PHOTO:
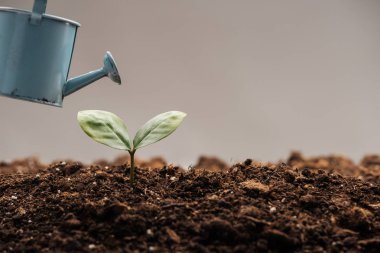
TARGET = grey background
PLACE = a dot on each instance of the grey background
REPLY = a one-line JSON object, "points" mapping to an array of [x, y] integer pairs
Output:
{"points": [[257, 78]]}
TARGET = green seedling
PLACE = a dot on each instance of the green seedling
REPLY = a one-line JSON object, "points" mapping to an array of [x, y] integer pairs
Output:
{"points": [[108, 129]]}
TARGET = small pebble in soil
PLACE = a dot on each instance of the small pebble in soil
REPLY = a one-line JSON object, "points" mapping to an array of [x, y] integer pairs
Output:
{"points": [[21, 211], [13, 197], [91, 246], [272, 209], [149, 232], [212, 197]]}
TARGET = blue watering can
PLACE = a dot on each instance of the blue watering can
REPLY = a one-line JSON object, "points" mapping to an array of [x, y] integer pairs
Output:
{"points": [[35, 55]]}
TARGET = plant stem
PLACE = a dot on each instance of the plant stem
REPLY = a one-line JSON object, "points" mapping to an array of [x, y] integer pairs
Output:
{"points": [[132, 169]]}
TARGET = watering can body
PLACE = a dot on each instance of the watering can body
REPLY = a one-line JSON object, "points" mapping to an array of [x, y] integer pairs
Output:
{"points": [[35, 55]]}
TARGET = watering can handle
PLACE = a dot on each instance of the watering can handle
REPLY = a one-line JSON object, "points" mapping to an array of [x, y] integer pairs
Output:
{"points": [[39, 8]]}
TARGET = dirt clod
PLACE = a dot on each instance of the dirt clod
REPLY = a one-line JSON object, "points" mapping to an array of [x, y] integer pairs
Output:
{"points": [[253, 185], [279, 239], [218, 230]]}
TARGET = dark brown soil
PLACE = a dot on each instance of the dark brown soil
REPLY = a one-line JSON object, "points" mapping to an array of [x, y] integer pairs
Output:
{"points": [[322, 204]]}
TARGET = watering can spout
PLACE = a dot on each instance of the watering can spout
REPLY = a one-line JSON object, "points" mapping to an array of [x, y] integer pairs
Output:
{"points": [[109, 69]]}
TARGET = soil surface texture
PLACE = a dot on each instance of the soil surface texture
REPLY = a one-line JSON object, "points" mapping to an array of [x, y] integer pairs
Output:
{"points": [[320, 204]]}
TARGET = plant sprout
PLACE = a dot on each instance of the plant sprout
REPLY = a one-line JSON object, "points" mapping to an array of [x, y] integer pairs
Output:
{"points": [[108, 129]]}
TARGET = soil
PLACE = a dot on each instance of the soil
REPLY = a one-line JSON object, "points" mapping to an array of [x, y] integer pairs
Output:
{"points": [[321, 204]]}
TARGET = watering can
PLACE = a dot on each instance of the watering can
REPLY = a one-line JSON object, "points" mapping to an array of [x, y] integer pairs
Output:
{"points": [[35, 56]]}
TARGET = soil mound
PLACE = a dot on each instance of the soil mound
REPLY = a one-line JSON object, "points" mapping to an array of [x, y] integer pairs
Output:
{"points": [[321, 204]]}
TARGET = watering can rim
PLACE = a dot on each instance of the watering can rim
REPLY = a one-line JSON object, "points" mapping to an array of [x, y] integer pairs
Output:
{"points": [[48, 16], [30, 99]]}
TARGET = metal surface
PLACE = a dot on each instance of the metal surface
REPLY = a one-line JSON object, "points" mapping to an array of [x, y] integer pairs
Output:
{"points": [[109, 69], [39, 9], [45, 16], [35, 56]]}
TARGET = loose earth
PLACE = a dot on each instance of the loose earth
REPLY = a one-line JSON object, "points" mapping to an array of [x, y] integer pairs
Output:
{"points": [[321, 204]]}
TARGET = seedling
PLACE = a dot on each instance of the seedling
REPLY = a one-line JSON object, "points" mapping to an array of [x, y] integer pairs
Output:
{"points": [[108, 129]]}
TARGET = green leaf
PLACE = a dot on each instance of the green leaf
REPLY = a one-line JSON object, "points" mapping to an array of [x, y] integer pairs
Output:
{"points": [[105, 127], [158, 128]]}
